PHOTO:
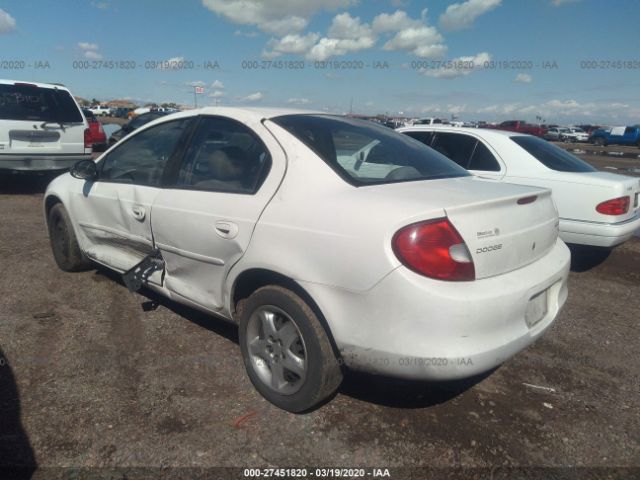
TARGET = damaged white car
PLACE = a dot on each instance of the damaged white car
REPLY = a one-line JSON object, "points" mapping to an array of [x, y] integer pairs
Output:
{"points": [[330, 241]]}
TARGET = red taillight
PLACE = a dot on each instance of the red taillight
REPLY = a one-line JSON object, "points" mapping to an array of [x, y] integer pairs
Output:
{"points": [[88, 142], [616, 206], [435, 249]]}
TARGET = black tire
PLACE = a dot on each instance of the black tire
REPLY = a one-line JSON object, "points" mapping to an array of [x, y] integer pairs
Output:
{"points": [[323, 373], [601, 141], [64, 244]]}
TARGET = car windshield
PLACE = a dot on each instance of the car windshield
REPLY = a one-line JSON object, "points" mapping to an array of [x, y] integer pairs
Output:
{"points": [[363, 153], [551, 156], [31, 103]]}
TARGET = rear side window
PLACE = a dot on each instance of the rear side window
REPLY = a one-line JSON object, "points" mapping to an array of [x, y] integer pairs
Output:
{"points": [[551, 156], [458, 148], [224, 156], [483, 159], [30, 103], [424, 137], [363, 153]]}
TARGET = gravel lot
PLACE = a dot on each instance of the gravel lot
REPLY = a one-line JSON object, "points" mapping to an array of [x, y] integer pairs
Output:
{"points": [[90, 379]]}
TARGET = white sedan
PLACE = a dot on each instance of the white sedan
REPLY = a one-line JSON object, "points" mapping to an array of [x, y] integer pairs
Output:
{"points": [[330, 241], [596, 208]]}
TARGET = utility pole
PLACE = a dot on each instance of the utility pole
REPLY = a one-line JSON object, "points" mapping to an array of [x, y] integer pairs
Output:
{"points": [[195, 97]]}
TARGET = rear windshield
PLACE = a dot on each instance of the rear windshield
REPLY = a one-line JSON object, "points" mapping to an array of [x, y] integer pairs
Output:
{"points": [[551, 156], [30, 103], [363, 153]]}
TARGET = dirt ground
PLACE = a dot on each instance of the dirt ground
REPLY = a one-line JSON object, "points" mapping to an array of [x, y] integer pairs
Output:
{"points": [[89, 379]]}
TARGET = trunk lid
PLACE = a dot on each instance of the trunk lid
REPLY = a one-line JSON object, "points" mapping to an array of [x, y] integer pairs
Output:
{"points": [[506, 232], [501, 234]]}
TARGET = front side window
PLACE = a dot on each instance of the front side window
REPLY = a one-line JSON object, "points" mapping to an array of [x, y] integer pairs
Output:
{"points": [[31, 103], [142, 158], [551, 156], [224, 156], [363, 153]]}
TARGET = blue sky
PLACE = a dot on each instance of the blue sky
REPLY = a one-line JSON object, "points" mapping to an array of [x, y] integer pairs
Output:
{"points": [[543, 45]]}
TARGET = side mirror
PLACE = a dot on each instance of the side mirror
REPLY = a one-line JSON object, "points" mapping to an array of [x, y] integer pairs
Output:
{"points": [[85, 170]]}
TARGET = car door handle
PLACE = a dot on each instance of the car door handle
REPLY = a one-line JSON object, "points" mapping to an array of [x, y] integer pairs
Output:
{"points": [[226, 229], [138, 212]]}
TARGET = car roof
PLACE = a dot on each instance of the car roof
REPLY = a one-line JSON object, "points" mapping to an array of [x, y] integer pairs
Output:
{"points": [[37, 84], [484, 132], [262, 112]]}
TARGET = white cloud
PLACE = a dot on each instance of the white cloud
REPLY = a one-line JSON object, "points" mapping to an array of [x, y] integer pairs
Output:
{"points": [[412, 35], [90, 50], [100, 5], [459, 67], [344, 26], [196, 83], [292, 44], [217, 84], [422, 41], [92, 55], [7, 22], [253, 97], [88, 46], [240, 33], [347, 34], [523, 78], [462, 15], [558, 3], [217, 94], [277, 17], [298, 101], [394, 22]]}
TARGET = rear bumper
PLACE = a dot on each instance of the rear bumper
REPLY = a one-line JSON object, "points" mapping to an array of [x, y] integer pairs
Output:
{"points": [[39, 163], [598, 234], [414, 327]]}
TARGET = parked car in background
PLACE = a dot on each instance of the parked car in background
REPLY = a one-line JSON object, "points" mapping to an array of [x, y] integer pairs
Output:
{"points": [[121, 112], [139, 111], [131, 125], [596, 208], [214, 208], [100, 110], [574, 134], [41, 127], [590, 128], [617, 136], [97, 135], [521, 126], [431, 121], [555, 133]]}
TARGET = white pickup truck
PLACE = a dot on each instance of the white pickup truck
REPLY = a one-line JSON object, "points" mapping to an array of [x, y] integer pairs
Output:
{"points": [[100, 110]]}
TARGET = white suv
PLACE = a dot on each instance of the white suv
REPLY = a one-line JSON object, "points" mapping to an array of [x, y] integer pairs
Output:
{"points": [[41, 127], [100, 111]]}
